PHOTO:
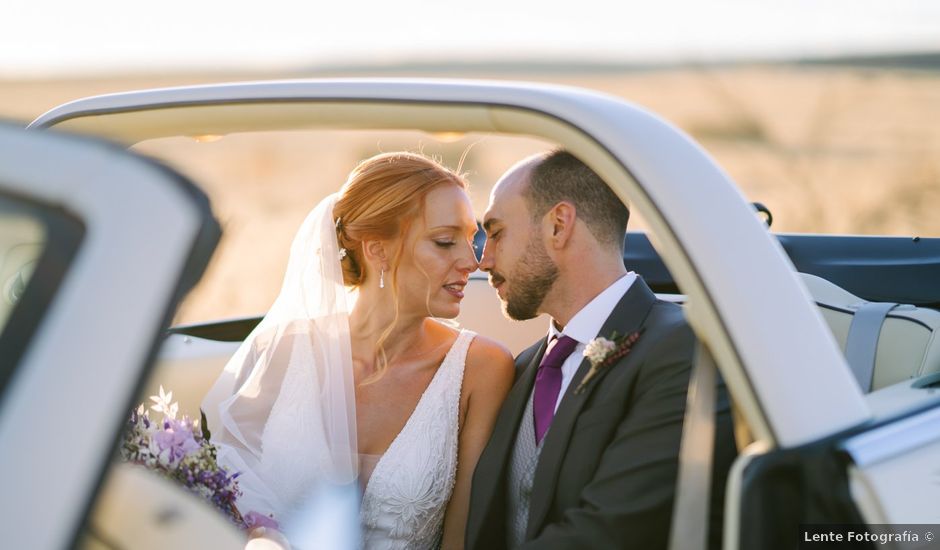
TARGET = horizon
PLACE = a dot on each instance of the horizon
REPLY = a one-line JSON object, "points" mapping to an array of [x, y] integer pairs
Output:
{"points": [[917, 60]]}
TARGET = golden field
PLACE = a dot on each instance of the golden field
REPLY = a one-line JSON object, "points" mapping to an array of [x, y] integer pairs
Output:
{"points": [[834, 150]]}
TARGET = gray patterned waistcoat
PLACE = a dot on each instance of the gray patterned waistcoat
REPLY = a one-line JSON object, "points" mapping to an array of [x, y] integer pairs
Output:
{"points": [[525, 457]]}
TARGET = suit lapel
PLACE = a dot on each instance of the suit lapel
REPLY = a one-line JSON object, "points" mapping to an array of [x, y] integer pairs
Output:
{"points": [[628, 316], [491, 468]]}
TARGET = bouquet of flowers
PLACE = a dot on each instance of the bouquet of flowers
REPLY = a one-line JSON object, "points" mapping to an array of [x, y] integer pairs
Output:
{"points": [[178, 449]]}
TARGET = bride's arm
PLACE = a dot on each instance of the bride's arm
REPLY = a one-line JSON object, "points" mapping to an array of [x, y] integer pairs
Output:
{"points": [[488, 376]]}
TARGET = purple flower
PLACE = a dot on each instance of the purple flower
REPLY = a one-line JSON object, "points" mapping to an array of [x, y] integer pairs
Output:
{"points": [[254, 519], [174, 442]]}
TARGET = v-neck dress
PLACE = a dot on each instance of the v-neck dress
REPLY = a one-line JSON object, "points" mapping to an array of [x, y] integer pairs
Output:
{"points": [[405, 498]]}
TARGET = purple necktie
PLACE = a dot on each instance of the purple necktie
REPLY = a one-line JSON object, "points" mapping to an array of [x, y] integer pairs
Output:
{"points": [[548, 384]]}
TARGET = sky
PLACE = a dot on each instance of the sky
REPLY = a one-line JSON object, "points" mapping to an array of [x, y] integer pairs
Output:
{"points": [[69, 37]]}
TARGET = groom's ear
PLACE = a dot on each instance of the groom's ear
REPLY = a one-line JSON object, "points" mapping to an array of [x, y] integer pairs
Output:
{"points": [[561, 218]]}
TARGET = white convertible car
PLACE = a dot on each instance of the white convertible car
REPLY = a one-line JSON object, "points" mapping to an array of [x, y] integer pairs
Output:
{"points": [[832, 371]]}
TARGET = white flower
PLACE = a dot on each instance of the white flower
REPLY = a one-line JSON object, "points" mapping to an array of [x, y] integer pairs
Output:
{"points": [[598, 349], [164, 403]]}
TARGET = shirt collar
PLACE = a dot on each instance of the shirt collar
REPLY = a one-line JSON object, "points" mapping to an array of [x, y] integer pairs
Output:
{"points": [[587, 322]]}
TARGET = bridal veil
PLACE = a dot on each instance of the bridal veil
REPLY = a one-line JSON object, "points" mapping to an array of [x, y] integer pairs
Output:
{"points": [[283, 411]]}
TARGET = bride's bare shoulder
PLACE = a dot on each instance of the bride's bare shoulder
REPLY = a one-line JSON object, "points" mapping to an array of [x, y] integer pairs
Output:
{"points": [[489, 364]]}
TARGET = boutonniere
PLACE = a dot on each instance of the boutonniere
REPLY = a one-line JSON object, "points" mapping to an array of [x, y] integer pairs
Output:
{"points": [[603, 352]]}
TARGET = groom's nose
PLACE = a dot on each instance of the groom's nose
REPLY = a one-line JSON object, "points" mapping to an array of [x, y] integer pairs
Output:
{"points": [[486, 259]]}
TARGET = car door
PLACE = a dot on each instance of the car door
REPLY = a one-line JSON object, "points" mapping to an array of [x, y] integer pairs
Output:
{"points": [[97, 245]]}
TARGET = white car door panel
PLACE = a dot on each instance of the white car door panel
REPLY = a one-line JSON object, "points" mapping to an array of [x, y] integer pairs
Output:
{"points": [[122, 237]]}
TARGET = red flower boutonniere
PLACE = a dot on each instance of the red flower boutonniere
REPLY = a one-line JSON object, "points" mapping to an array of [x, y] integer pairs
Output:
{"points": [[603, 353]]}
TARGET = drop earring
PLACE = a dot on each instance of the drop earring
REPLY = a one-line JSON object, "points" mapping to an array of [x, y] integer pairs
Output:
{"points": [[382, 278]]}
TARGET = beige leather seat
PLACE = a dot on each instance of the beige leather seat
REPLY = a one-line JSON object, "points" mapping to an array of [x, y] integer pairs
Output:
{"points": [[187, 366], [907, 344]]}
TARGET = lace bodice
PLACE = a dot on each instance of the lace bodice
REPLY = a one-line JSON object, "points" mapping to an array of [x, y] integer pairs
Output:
{"points": [[404, 501]]}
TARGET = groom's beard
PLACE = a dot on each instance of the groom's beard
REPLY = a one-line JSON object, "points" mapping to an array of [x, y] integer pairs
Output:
{"points": [[532, 278]]}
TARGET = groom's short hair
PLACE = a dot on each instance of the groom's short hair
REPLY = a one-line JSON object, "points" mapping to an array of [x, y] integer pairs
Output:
{"points": [[560, 176]]}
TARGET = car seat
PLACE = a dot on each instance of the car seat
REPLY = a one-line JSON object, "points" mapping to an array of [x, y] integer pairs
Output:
{"points": [[884, 343]]}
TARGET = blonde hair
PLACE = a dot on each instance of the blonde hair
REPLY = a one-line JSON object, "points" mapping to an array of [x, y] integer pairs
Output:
{"points": [[380, 200]]}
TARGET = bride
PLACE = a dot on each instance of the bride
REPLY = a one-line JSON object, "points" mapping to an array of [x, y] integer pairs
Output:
{"points": [[351, 376]]}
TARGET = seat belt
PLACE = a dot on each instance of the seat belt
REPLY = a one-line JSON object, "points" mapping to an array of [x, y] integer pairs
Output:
{"points": [[861, 345], [691, 506]]}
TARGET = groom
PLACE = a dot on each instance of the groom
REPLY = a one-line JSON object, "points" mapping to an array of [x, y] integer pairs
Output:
{"points": [[578, 460]]}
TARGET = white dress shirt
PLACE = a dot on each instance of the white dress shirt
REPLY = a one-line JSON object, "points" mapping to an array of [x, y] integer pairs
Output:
{"points": [[585, 325]]}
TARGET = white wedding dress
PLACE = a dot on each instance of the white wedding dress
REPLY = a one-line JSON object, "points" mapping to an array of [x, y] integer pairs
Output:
{"points": [[283, 411], [405, 498]]}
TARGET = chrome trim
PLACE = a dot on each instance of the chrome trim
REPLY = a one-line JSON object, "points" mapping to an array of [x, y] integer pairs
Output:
{"points": [[894, 439]]}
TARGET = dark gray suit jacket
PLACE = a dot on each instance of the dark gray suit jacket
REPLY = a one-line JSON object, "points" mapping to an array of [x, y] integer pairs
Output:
{"points": [[607, 471]]}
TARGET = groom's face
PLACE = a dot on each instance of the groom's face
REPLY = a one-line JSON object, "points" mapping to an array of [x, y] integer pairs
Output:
{"points": [[515, 256]]}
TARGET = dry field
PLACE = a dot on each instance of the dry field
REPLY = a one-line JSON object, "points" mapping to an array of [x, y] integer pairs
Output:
{"points": [[830, 150]]}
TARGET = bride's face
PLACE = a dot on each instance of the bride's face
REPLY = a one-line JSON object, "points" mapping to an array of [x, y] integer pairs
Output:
{"points": [[437, 256]]}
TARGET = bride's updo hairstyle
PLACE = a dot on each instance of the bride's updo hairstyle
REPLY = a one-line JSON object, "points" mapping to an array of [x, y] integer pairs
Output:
{"points": [[380, 200]]}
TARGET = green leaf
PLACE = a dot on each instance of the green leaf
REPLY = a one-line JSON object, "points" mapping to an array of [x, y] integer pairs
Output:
{"points": [[204, 426]]}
